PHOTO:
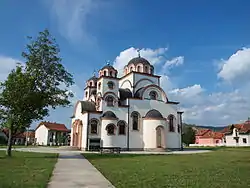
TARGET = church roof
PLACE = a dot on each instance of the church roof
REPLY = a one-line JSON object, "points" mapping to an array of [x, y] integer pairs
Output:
{"points": [[109, 114], [93, 78], [125, 93], [138, 60], [154, 114], [88, 106]]}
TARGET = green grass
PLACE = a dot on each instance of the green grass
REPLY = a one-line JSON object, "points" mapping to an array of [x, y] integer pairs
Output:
{"points": [[222, 168], [26, 169]]}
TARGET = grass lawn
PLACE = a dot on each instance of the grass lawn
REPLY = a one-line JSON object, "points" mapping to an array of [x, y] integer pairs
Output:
{"points": [[222, 168], [26, 169]]}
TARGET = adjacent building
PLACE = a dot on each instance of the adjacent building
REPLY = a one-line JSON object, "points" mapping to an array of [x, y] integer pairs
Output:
{"points": [[207, 137], [237, 134], [48, 133], [131, 112]]}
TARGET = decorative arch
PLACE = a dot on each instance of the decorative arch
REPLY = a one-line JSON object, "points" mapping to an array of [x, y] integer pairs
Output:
{"points": [[110, 128], [121, 127], [125, 82], [153, 95], [155, 86], [135, 120], [147, 79], [160, 136], [171, 119], [110, 93]]}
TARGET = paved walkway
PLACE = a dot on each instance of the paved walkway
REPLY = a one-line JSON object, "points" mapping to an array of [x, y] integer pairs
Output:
{"points": [[73, 170]]}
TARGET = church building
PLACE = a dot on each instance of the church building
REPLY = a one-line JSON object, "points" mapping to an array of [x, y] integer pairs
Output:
{"points": [[131, 112]]}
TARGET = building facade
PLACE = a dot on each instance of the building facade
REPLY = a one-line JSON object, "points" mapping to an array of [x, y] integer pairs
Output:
{"points": [[132, 112], [48, 133], [237, 134], [208, 137]]}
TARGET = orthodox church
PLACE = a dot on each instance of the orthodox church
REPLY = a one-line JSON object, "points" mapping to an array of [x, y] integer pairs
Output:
{"points": [[131, 112]]}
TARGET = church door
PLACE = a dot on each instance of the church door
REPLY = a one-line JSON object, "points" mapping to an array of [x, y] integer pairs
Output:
{"points": [[159, 137]]}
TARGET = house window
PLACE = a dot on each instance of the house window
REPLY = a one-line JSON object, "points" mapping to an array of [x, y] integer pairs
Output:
{"points": [[111, 85], [171, 123], [131, 69], [110, 73], [121, 127], [153, 95], [110, 129], [135, 120], [146, 69], [244, 140], [99, 85], [93, 126], [110, 101], [104, 73]]}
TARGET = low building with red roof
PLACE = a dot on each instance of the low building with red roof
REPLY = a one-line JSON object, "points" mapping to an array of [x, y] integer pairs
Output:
{"points": [[48, 133], [237, 134], [207, 137]]}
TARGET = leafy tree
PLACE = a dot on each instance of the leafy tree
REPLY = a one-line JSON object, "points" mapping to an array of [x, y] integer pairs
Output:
{"points": [[30, 91], [188, 136]]}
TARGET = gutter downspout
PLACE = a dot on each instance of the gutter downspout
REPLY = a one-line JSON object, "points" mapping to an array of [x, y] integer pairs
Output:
{"points": [[128, 127], [87, 142], [180, 113]]}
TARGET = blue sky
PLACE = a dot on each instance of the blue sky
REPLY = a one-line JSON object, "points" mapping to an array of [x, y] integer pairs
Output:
{"points": [[197, 38]]}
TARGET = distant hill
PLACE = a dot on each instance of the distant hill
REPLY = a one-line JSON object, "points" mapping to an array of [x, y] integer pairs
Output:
{"points": [[205, 127]]}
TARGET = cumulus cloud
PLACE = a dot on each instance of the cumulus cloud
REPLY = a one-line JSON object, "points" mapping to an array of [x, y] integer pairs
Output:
{"points": [[236, 67]]}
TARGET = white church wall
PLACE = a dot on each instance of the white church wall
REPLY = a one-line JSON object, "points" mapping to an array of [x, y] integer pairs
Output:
{"points": [[41, 135], [141, 80], [105, 87], [126, 82], [160, 95], [149, 132], [112, 140], [95, 116], [173, 140], [84, 119]]}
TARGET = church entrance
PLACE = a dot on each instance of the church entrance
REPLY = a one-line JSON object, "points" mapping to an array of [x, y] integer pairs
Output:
{"points": [[160, 137]]}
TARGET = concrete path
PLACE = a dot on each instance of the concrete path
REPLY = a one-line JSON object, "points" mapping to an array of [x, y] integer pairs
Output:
{"points": [[74, 171]]}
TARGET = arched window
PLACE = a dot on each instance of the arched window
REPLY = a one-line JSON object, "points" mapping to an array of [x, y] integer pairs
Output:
{"points": [[111, 85], [110, 73], [171, 123], [152, 71], [153, 95], [110, 129], [90, 84], [93, 92], [121, 127], [104, 73], [139, 68], [110, 101], [99, 85], [86, 94], [131, 69], [93, 126], [146, 69], [135, 120]]}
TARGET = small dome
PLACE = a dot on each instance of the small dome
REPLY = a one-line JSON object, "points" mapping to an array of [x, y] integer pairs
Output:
{"points": [[93, 78], [153, 114], [109, 114], [138, 60]]}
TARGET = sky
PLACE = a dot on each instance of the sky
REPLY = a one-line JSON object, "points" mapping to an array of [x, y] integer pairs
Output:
{"points": [[200, 48]]}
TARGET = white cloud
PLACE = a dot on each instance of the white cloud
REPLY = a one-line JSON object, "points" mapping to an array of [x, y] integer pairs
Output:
{"points": [[174, 62], [236, 67], [71, 18], [6, 65]]}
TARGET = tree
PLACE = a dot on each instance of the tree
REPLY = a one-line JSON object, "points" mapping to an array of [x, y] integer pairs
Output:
{"points": [[30, 91], [188, 136]]}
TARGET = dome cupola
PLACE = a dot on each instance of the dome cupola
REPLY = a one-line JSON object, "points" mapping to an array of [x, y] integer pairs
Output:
{"points": [[139, 64], [108, 70]]}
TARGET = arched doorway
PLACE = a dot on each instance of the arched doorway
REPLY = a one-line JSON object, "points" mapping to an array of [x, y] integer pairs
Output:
{"points": [[160, 137]]}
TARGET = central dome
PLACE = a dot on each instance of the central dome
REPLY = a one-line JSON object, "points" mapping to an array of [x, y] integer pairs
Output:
{"points": [[138, 60]]}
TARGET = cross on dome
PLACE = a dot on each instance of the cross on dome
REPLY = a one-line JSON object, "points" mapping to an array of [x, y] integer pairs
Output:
{"points": [[138, 51]]}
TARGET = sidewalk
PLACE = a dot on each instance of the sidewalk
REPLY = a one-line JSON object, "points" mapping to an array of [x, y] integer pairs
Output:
{"points": [[74, 171]]}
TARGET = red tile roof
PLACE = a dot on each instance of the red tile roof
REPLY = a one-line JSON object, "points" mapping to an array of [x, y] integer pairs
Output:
{"points": [[201, 132], [243, 127], [54, 126], [207, 133], [30, 134]]}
